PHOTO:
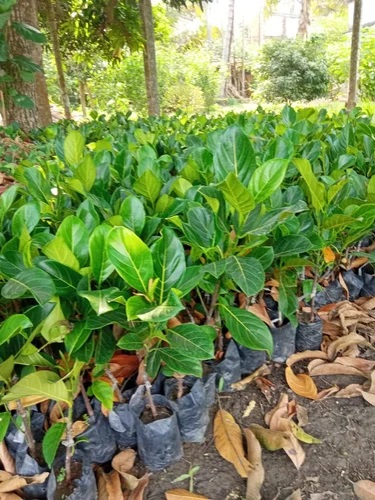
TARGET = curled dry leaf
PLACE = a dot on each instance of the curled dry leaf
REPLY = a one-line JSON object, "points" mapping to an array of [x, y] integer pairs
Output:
{"points": [[138, 493], [9, 496], [328, 255], [228, 442], [294, 450], [260, 311], [242, 384], [255, 478], [280, 410], [123, 462], [333, 369], [365, 365], [271, 440], [265, 386], [326, 393], [299, 356], [57, 411], [109, 485], [343, 343], [365, 489], [13, 483], [302, 416], [303, 385], [179, 493], [350, 391], [4, 475], [130, 482], [6, 459]]}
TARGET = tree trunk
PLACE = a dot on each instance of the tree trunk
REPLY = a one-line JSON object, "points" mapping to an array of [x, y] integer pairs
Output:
{"points": [[24, 11], [53, 27], [304, 20], [82, 97], [354, 55], [227, 48], [149, 57]]}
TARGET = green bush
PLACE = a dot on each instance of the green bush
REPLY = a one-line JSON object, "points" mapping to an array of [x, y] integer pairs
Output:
{"points": [[292, 70]]}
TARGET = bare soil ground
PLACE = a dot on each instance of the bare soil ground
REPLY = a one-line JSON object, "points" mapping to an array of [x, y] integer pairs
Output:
{"points": [[347, 451]]}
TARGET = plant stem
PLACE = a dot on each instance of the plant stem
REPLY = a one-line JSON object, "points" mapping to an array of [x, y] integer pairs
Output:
{"points": [[202, 301], [115, 386], [149, 396], [27, 428], [69, 443], [90, 411], [214, 298], [180, 387], [313, 294]]}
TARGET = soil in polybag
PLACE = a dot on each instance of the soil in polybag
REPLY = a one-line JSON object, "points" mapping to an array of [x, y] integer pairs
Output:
{"points": [[82, 487], [354, 284], [368, 289], [159, 441], [284, 342], [333, 293], [309, 336], [192, 406], [229, 370], [250, 359]]}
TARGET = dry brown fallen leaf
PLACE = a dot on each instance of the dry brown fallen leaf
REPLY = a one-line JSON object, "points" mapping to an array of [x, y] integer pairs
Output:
{"points": [[260, 311], [242, 384], [296, 495], [334, 368], [326, 393], [299, 356], [4, 475], [271, 440], [17, 482], [294, 450], [6, 459], [350, 391], [123, 462], [109, 485], [302, 416], [265, 386], [255, 478], [344, 342], [228, 442], [303, 385], [365, 489], [180, 493], [280, 410], [365, 365], [138, 493], [9, 496]]}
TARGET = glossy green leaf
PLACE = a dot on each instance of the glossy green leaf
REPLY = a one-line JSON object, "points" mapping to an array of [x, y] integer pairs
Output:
{"points": [[103, 392], [316, 188], [131, 258], [105, 347], [133, 341], [133, 214], [236, 194], [100, 264], [193, 340], [264, 255], [28, 32], [6, 370], [201, 229], [65, 279], [5, 419], [73, 231], [181, 363], [152, 363], [86, 172], [37, 185], [337, 221], [41, 383], [189, 280], [138, 307], [148, 185], [74, 146], [58, 250], [169, 261], [51, 442], [267, 178], [100, 300], [27, 216], [77, 337], [291, 245], [247, 273], [13, 325], [247, 329], [31, 283]]}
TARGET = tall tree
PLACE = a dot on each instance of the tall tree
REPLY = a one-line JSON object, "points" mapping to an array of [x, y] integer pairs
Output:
{"points": [[53, 28], [24, 88], [227, 47], [354, 55], [304, 20], [149, 57]]}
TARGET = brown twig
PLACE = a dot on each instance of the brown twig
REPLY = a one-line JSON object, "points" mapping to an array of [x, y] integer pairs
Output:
{"points": [[215, 296], [115, 386], [90, 411], [27, 428]]}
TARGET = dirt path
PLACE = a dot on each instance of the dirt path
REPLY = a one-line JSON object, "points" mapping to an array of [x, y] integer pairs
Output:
{"points": [[347, 453]]}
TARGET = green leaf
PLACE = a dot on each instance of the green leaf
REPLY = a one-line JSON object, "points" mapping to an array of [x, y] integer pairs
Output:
{"points": [[193, 340], [180, 363], [201, 229], [133, 214], [77, 337], [13, 325], [338, 220], [247, 273], [86, 172], [105, 347], [234, 153], [41, 383], [99, 299], [152, 363], [133, 341], [5, 419], [169, 261], [74, 146], [28, 32], [138, 307], [371, 189], [216, 269], [291, 245], [4, 16], [23, 101], [27, 64], [31, 283], [236, 194], [148, 185], [131, 258], [267, 178], [73, 231], [247, 329], [6, 370], [100, 264], [37, 184], [264, 255], [51, 442], [104, 393], [65, 279], [27, 216], [316, 189], [59, 251], [189, 280]]}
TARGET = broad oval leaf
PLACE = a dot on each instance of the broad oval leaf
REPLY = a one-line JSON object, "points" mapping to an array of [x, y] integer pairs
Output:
{"points": [[190, 339], [32, 283], [73, 231], [58, 250], [133, 214], [103, 392], [247, 329], [51, 442], [236, 194], [13, 325], [26, 216], [180, 363], [65, 279], [291, 245], [247, 273], [169, 261], [267, 178], [74, 146], [100, 264], [303, 385], [131, 258], [148, 185], [5, 419]]}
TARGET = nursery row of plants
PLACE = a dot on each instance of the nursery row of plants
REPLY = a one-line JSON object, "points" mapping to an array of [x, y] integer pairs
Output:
{"points": [[130, 248]]}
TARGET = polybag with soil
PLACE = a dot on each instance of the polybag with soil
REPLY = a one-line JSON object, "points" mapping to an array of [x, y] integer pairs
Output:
{"points": [[284, 342], [84, 487]]}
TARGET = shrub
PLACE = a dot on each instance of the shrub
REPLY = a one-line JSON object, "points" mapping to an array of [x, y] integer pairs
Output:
{"points": [[292, 70]]}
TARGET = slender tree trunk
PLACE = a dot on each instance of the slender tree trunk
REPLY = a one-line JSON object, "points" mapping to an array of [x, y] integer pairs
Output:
{"points": [[149, 57], [53, 26], [227, 48], [354, 55], [82, 97], [304, 20], [24, 11]]}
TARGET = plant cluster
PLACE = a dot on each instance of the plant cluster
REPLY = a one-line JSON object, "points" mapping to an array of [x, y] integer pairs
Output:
{"points": [[153, 236]]}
